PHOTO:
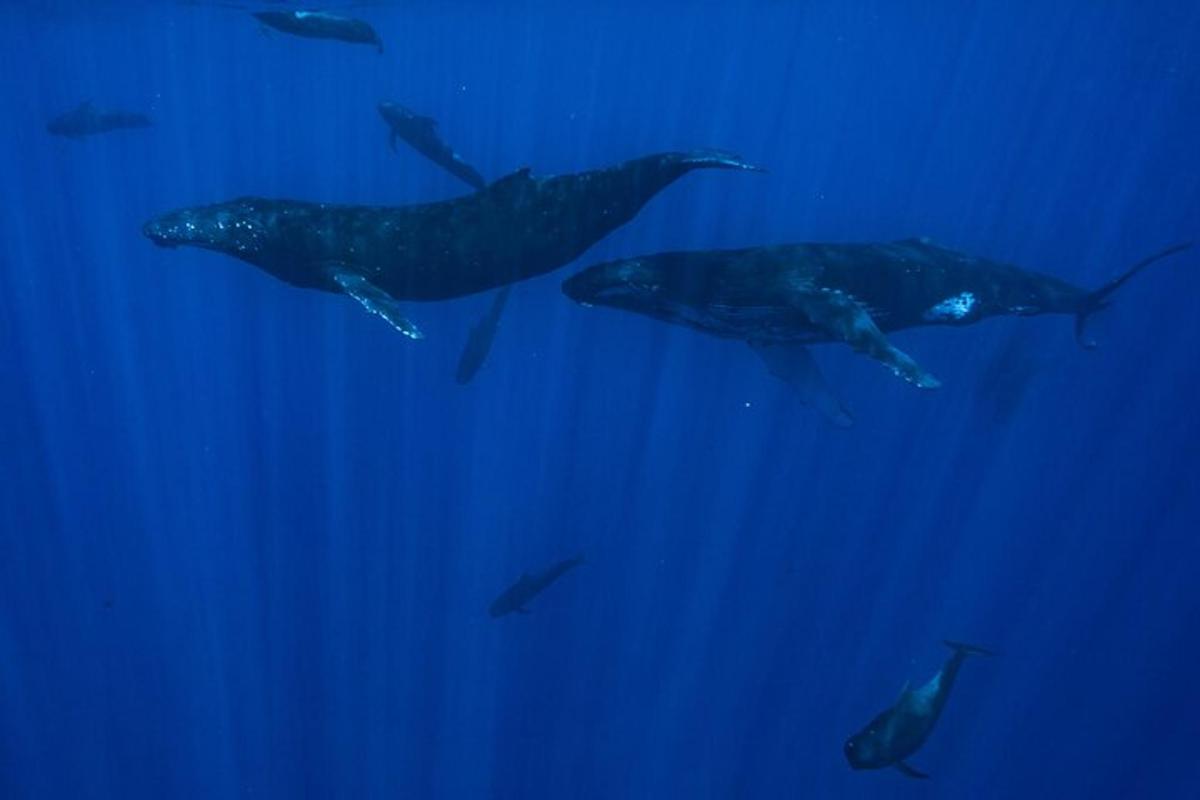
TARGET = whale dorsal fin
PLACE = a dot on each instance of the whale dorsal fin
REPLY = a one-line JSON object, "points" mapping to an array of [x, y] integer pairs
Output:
{"points": [[373, 299], [512, 181]]}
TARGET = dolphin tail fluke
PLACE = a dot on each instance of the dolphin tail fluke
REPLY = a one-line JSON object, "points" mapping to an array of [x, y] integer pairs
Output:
{"points": [[911, 771], [720, 159], [967, 649], [1099, 299]]}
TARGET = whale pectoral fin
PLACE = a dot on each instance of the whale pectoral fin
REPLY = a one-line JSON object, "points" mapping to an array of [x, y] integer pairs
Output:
{"points": [[842, 317], [375, 300], [909, 771], [793, 364]]}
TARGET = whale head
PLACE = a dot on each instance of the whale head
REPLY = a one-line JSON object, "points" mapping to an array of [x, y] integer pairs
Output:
{"points": [[671, 287], [239, 228], [863, 750], [632, 284]]}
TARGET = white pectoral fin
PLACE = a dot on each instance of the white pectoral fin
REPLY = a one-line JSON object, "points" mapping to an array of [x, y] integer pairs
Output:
{"points": [[375, 300], [793, 364]]}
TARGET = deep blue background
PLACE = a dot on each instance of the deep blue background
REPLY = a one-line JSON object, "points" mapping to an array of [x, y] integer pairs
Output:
{"points": [[248, 534]]}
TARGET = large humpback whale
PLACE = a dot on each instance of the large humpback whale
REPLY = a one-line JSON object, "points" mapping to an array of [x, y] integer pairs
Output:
{"points": [[781, 298], [321, 25], [518, 227], [898, 732]]}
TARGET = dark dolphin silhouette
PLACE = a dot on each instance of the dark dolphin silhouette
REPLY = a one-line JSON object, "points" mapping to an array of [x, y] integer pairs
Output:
{"points": [[321, 25], [422, 135], [87, 120], [517, 596], [898, 732]]}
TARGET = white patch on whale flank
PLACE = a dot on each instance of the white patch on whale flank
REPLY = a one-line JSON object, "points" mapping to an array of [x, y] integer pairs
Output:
{"points": [[955, 307]]}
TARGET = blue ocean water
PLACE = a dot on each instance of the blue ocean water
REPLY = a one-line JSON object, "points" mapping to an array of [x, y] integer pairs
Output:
{"points": [[249, 534]]}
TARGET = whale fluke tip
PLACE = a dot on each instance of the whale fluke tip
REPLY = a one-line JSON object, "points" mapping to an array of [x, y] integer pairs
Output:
{"points": [[721, 159]]}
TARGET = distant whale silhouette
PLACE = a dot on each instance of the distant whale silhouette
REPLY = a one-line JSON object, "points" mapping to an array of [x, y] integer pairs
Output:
{"points": [[518, 227], [782, 298], [321, 25], [517, 596], [898, 732], [87, 120], [422, 135]]}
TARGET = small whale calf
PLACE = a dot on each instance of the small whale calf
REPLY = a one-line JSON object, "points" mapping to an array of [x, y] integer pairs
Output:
{"points": [[87, 120], [898, 732], [782, 298], [518, 227], [321, 25], [516, 597], [422, 135]]}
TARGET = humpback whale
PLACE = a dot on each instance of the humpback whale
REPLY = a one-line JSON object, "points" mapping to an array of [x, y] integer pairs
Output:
{"points": [[529, 586], [782, 298], [898, 732], [518, 227], [321, 25], [87, 120], [422, 135]]}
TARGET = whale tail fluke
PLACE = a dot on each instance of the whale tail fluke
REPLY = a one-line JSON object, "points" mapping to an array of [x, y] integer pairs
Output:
{"points": [[1099, 299], [962, 649], [721, 159]]}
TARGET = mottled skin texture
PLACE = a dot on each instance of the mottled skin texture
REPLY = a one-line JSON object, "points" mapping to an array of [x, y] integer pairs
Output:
{"points": [[519, 227], [87, 120], [422, 135], [852, 293], [515, 597], [763, 292], [898, 732], [321, 25]]}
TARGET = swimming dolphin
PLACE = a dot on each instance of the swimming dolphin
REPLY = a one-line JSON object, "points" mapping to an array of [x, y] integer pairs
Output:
{"points": [[898, 732], [321, 25], [422, 135], [479, 342], [782, 298], [515, 597], [518, 227], [87, 120]]}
